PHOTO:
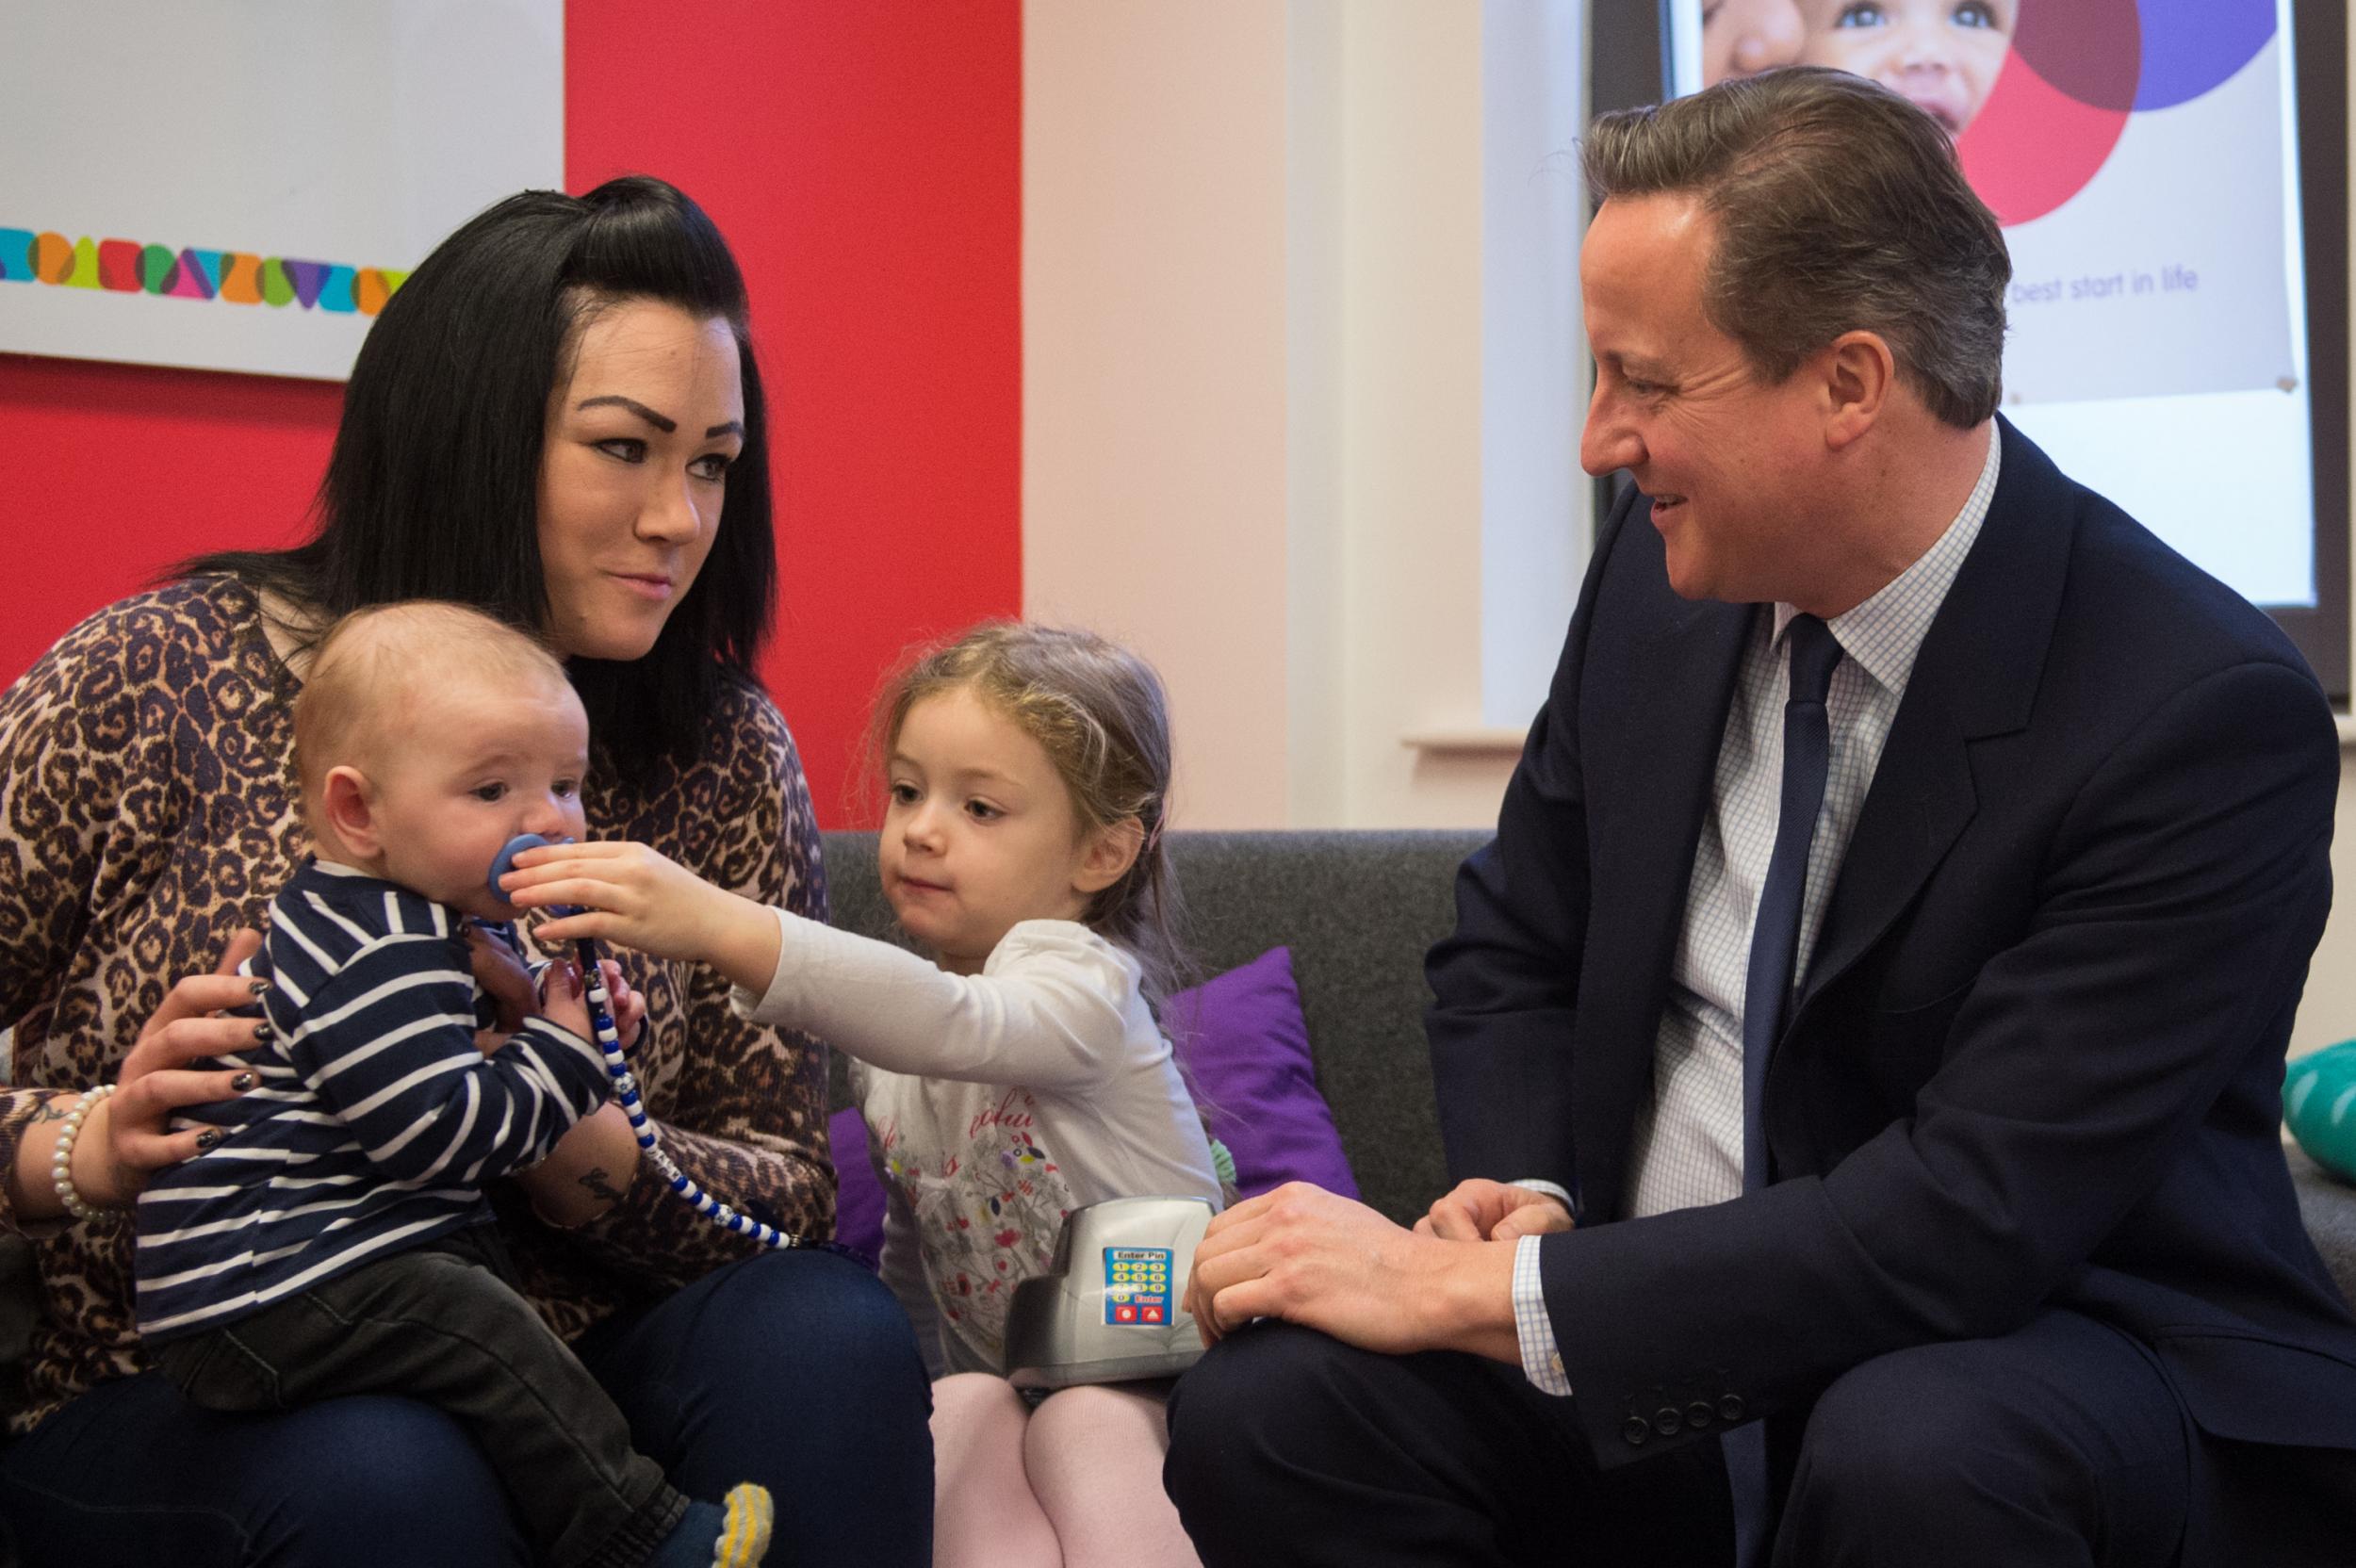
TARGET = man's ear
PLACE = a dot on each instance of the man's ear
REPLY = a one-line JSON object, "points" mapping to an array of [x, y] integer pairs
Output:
{"points": [[1111, 851], [1860, 373], [348, 801]]}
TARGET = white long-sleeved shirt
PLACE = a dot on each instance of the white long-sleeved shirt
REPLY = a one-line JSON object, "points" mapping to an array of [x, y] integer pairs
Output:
{"points": [[996, 1104]]}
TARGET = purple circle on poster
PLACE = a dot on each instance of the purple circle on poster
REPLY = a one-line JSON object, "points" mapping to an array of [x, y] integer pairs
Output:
{"points": [[2090, 50], [2190, 46]]}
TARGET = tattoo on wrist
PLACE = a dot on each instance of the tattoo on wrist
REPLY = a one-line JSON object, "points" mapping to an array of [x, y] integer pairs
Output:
{"points": [[54, 1109], [599, 1185]]}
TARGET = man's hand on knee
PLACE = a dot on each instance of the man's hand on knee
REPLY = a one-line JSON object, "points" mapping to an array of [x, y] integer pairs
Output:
{"points": [[1302, 1254]]}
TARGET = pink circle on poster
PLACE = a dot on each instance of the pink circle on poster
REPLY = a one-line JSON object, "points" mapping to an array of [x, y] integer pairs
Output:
{"points": [[2034, 146]]}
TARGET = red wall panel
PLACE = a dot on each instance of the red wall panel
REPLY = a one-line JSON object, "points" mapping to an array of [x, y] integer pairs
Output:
{"points": [[110, 473], [864, 161]]}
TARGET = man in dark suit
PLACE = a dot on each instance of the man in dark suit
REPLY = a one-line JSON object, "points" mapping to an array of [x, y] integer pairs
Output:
{"points": [[1861, 1049]]}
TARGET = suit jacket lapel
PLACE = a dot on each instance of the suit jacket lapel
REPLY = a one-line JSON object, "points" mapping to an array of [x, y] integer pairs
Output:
{"points": [[1666, 717], [1975, 676]]}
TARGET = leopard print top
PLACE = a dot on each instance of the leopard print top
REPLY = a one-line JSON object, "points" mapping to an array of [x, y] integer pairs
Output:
{"points": [[147, 811]]}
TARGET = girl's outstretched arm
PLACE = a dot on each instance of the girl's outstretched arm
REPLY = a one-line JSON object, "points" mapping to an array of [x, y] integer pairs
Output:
{"points": [[633, 895]]}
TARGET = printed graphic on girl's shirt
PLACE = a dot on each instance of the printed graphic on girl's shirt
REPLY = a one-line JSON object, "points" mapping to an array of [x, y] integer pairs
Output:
{"points": [[988, 1217]]}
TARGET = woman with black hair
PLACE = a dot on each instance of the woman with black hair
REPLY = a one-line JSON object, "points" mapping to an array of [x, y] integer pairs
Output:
{"points": [[557, 418]]}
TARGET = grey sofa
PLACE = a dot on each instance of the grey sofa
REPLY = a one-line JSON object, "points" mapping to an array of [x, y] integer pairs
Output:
{"points": [[1358, 909]]}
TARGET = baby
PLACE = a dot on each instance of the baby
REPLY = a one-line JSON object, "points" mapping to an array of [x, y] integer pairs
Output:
{"points": [[332, 1238], [1943, 55]]}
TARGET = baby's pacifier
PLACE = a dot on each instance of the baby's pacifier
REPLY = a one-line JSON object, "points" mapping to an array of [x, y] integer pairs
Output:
{"points": [[505, 862]]}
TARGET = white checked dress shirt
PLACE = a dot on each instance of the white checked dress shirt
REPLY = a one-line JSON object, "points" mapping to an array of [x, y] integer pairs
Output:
{"points": [[1688, 1143]]}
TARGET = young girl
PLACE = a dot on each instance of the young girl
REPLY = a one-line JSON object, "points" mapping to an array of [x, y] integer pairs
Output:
{"points": [[1022, 1077]]}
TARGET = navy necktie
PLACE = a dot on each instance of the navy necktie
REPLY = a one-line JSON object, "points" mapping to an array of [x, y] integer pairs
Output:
{"points": [[1767, 993], [1775, 932]]}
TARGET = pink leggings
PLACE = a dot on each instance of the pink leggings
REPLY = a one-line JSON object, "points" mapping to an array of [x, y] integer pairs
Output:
{"points": [[1076, 1483]]}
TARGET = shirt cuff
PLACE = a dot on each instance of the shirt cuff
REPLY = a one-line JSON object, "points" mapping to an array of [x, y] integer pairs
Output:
{"points": [[1539, 1184], [1541, 1357]]}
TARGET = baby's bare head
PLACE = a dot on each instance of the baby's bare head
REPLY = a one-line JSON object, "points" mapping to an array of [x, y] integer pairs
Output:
{"points": [[387, 677]]}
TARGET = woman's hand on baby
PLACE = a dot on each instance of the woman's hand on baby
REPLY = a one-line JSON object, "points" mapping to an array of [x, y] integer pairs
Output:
{"points": [[132, 1126], [633, 895]]}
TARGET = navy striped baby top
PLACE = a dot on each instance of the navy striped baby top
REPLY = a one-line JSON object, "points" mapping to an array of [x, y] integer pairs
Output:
{"points": [[376, 1120]]}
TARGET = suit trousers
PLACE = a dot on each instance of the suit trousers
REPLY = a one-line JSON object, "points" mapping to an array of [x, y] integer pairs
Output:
{"points": [[1289, 1447], [2060, 1443]]}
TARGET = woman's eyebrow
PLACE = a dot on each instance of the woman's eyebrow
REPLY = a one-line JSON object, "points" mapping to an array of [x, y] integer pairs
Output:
{"points": [[662, 422]]}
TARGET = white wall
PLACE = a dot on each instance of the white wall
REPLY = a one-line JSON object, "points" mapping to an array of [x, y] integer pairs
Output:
{"points": [[1253, 387], [1153, 502], [1410, 369], [1317, 650], [1536, 504]]}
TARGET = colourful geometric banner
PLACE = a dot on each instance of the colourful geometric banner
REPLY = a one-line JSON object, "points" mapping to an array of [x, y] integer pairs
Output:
{"points": [[234, 277]]}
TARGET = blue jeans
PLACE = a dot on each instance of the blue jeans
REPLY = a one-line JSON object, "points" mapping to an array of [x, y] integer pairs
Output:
{"points": [[795, 1369]]}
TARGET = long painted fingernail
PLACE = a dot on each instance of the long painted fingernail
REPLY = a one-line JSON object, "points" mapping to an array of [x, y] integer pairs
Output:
{"points": [[244, 1082], [258, 987], [208, 1138], [261, 1030]]}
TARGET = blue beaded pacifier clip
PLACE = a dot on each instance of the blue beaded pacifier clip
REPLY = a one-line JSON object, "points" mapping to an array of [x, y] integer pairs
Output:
{"points": [[617, 1068]]}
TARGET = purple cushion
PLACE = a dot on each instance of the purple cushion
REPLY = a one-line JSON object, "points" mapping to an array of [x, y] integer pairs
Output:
{"points": [[1245, 1049], [859, 1202], [1243, 1042]]}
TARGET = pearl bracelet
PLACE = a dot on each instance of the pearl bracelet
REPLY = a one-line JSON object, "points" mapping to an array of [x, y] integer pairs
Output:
{"points": [[61, 1162]]}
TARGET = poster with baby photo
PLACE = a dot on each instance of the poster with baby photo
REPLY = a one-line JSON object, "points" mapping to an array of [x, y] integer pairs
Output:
{"points": [[2138, 153]]}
